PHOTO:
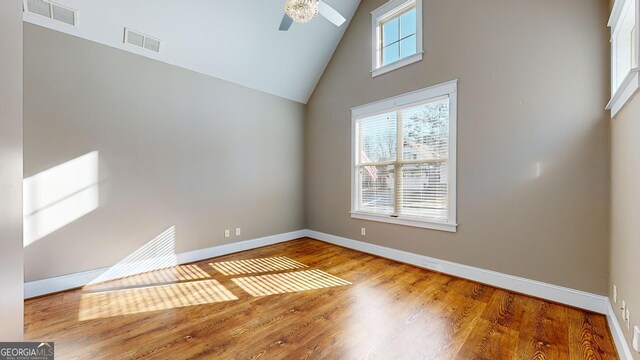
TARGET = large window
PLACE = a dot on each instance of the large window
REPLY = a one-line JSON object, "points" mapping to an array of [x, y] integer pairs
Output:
{"points": [[396, 35], [624, 52], [404, 162]]}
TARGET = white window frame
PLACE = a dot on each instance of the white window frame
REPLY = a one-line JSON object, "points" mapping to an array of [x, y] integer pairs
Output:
{"points": [[621, 94], [378, 16], [405, 100]]}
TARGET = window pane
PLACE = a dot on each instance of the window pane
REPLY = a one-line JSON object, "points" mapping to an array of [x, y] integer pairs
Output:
{"points": [[426, 131], [408, 46], [408, 23], [377, 138], [376, 189], [390, 54], [424, 191], [390, 31]]}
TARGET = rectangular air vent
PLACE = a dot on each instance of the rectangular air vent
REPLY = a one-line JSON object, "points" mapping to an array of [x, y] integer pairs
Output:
{"points": [[52, 11], [141, 40]]}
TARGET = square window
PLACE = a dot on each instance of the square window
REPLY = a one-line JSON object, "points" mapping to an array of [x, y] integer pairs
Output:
{"points": [[397, 35]]}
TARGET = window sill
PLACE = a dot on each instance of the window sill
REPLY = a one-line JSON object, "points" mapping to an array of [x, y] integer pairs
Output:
{"points": [[625, 91], [397, 65], [406, 222]]}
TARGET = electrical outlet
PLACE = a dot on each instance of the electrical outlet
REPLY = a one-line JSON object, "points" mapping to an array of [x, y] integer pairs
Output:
{"points": [[623, 308], [363, 231], [237, 231], [226, 233], [628, 320], [615, 294]]}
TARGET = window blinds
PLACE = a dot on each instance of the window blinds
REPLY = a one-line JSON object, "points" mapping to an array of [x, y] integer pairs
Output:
{"points": [[402, 162]]}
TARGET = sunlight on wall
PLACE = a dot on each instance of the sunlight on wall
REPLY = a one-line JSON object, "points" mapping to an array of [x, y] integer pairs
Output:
{"points": [[158, 253], [250, 266], [58, 196], [288, 282], [163, 297], [162, 276]]}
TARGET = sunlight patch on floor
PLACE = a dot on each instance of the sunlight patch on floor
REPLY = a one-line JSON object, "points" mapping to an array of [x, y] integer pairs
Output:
{"points": [[251, 266], [169, 275], [163, 297], [271, 284]]}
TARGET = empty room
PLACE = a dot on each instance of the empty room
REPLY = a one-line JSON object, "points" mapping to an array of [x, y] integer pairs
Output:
{"points": [[319, 179]]}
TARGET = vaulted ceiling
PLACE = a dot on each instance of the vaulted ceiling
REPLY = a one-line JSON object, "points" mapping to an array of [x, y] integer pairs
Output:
{"points": [[234, 40]]}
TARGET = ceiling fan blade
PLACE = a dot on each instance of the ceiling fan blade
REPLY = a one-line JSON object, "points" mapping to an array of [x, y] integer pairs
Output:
{"points": [[330, 13], [286, 23]]}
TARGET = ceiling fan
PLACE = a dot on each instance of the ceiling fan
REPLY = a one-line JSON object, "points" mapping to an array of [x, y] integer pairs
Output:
{"points": [[302, 11]]}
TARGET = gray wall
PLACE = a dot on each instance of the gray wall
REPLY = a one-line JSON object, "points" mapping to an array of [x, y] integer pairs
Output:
{"points": [[534, 80], [11, 171], [625, 212], [175, 148]]}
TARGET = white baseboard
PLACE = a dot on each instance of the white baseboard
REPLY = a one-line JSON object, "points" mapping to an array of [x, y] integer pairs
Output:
{"points": [[60, 283], [618, 336], [220, 250], [559, 294], [65, 282]]}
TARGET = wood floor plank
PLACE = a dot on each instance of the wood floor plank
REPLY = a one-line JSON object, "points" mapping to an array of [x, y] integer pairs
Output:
{"points": [[588, 337], [544, 334], [380, 309]]}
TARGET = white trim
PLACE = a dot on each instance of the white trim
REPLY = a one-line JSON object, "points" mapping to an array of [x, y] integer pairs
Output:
{"points": [[555, 293], [616, 332], [622, 93], [616, 10], [404, 221], [447, 89], [626, 90], [197, 255], [392, 6], [406, 98], [65, 282], [380, 14], [60, 283], [397, 64]]}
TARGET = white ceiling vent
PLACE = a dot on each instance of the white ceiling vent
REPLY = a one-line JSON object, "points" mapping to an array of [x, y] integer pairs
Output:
{"points": [[144, 41], [52, 11]]}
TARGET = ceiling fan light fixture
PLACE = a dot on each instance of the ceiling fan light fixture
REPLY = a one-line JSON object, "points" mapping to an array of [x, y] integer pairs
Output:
{"points": [[301, 11]]}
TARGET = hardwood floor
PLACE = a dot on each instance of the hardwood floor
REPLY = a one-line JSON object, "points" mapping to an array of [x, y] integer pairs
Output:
{"points": [[305, 299]]}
